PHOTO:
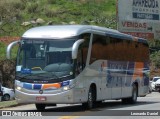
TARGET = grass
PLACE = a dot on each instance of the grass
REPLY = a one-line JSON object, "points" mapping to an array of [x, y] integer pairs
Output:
{"points": [[4, 104], [51, 10]]}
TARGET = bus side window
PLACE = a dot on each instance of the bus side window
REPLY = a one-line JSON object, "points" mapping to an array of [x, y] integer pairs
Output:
{"points": [[82, 53], [100, 46], [81, 59]]}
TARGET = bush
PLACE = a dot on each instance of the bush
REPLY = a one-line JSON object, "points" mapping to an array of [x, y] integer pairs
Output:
{"points": [[32, 8], [50, 13], [19, 5], [155, 59], [51, 1]]}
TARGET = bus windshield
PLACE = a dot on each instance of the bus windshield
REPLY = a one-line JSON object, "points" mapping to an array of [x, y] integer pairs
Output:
{"points": [[49, 60]]}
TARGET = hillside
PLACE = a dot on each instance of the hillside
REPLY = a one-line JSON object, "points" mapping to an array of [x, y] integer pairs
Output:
{"points": [[19, 15]]}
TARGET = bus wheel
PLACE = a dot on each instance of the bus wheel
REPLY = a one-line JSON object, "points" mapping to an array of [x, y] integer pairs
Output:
{"points": [[125, 100], [90, 102], [40, 107], [133, 99]]}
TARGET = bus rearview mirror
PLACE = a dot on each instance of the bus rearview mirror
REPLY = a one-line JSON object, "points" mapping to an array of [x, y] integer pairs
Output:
{"points": [[75, 48]]}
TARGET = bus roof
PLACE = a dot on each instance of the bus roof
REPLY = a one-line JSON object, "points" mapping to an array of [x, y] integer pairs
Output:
{"points": [[64, 31]]}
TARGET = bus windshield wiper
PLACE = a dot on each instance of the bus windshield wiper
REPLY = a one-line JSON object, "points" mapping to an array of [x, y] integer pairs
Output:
{"points": [[23, 77], [51, 76], [56, 77]]}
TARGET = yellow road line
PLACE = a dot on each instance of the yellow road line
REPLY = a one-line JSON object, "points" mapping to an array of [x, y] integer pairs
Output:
{"points": [[68, 117], [74, 115]]}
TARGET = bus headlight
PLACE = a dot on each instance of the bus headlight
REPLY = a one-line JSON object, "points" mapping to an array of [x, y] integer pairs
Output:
{"points": [[66, 85], [18, 85], [18, 88], [65, 88]]}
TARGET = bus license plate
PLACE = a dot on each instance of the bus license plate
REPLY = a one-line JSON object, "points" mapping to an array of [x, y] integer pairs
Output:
{"points": [[41, 98]]}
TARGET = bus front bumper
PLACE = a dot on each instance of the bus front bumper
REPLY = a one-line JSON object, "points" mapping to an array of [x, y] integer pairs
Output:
{"points": [[57, 98]]}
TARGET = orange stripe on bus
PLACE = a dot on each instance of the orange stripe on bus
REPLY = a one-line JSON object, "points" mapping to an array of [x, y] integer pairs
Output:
{"points": [[138, 70], [54, 85]]}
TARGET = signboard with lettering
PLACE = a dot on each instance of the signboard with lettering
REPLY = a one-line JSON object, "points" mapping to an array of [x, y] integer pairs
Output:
{"points": [[139, 18]]}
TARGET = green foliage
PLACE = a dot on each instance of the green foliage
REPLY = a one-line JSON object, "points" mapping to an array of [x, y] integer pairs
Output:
{"points": [[154, 43], [2, 50], [19, 5], [33, 8], [155, 52], [50, 12], [3, 47], [4, 104], [51, 1], [155, 59], [96, 12]]}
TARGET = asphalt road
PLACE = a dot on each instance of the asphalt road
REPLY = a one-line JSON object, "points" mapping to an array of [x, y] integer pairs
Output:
{"points": [[146, 108]]}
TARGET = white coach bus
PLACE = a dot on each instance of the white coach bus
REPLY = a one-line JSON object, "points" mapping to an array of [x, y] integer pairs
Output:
{"points": [[69, 64]]}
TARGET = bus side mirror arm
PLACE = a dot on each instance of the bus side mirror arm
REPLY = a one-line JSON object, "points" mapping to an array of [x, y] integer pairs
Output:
{"points": [[75, 48], [9, 47]]}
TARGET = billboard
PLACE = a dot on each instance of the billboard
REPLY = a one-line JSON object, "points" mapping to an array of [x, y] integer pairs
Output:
{"points": [[140, 18]]}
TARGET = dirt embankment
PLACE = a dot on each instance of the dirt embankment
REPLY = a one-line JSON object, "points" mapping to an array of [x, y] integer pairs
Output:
{"points": [[8, 39]]}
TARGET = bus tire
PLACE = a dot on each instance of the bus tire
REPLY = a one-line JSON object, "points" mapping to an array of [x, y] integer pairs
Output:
{"points": [[125, 100], [133, 99], [91, 98], [40, 107], [99, 102]]}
